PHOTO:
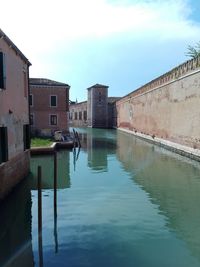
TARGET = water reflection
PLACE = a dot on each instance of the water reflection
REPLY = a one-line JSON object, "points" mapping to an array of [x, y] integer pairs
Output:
{"points": [[47, 164], [172, 182], [15, 225], [98, 144], [142, 211]]}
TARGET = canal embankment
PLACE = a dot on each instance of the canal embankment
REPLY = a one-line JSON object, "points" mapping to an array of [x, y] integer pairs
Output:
{"points": [[45, 150], [174, 147]]}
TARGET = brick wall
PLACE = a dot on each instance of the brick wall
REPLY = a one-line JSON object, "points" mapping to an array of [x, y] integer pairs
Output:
{"points": [[166, 108], [13, 171]]}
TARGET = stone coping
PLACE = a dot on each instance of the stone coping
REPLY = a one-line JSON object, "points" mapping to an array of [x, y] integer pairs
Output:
{"points": [[51, 149], [177, 148]]}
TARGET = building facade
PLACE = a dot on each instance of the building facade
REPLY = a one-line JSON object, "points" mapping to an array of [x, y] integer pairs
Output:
{"points": [[78, 114], [14, 115], [49, 106], [99, 111]]}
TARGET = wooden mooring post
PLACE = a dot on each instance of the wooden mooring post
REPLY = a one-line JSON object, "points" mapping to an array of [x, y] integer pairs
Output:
{"points": [[40, 250], [55, 202]]}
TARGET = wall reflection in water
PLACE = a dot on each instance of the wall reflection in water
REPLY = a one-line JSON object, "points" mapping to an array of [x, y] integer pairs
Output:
{"points": [[98, 144], [47, 165], [172, 182], [15, 228]]}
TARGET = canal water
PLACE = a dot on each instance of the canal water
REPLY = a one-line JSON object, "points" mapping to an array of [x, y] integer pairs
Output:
{"points": [[121, 202]]}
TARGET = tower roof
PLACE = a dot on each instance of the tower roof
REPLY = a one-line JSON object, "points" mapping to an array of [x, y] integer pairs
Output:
{"points": [[97, 85]]}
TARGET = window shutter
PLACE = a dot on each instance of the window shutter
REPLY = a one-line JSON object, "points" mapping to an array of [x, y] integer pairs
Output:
{"points": [[2, 71], [3, 144]]}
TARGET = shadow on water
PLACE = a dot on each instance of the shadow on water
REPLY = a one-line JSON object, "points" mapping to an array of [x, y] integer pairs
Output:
{"points": [[172, 182], [15, 228]]}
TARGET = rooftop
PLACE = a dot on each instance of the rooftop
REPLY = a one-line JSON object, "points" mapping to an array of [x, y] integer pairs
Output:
{"points": [[97, 85], [46, 82]]}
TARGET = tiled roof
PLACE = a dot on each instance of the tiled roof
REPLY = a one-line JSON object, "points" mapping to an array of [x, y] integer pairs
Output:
{"points": [[14, 47], [46, 82], [113, 99], [97, 85]]}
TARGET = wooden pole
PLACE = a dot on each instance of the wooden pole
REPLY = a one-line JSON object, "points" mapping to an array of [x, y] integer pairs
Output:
{"points": [[78, 139], [55, 202], [74, 138], [40, 216]]}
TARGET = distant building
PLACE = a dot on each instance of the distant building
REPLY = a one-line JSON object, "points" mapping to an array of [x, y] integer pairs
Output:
{"points": [[14, 115], [49, 105], [78, 114], [99, 111]]}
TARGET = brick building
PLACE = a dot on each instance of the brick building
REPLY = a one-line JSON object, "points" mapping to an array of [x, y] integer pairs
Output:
{"points": [[99, 111], [49, 105], [14, 115]]}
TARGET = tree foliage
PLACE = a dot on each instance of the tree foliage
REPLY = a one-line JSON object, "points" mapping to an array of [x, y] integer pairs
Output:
{"points": [[193, 51]]}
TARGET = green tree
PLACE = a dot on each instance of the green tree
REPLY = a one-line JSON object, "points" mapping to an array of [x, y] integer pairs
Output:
{"points": [[193, 51]]}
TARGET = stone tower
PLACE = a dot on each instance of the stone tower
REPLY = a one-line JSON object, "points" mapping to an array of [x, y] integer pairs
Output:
{"points": [[98, 106]]}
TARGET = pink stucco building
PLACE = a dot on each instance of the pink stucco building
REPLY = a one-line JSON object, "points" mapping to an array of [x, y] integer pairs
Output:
{"points": [[14, 115], [49, 105]]}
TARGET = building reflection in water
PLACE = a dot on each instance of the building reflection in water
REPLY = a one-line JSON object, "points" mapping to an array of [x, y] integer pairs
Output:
{"points": [[16, 212], [99, 144], [172, 182], [15, 225], [55, 174], [47, 165]]}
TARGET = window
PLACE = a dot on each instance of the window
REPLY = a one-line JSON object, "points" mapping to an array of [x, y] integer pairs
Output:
{"points": [[31, 119], [75, 115], [53, 119], [70, 115], [25, 84], [26, 136], [99, 96], [2, 71], [85, 115], [3, 144], [53, 101], [31, 100], [80, 115]]}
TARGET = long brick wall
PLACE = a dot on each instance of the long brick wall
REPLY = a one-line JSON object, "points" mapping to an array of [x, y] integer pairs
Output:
{"points": [[167, 107], [13, 171]]}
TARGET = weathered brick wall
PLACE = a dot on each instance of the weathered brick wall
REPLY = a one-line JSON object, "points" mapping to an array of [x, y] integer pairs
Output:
{"points": [[13, 171], [167, 108]]}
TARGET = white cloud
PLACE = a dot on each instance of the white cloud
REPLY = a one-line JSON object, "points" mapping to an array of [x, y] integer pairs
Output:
{"points": [[41, 26]]}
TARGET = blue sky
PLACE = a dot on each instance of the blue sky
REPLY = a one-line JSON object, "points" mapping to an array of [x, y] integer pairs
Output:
{"points": [[120, 43]]}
